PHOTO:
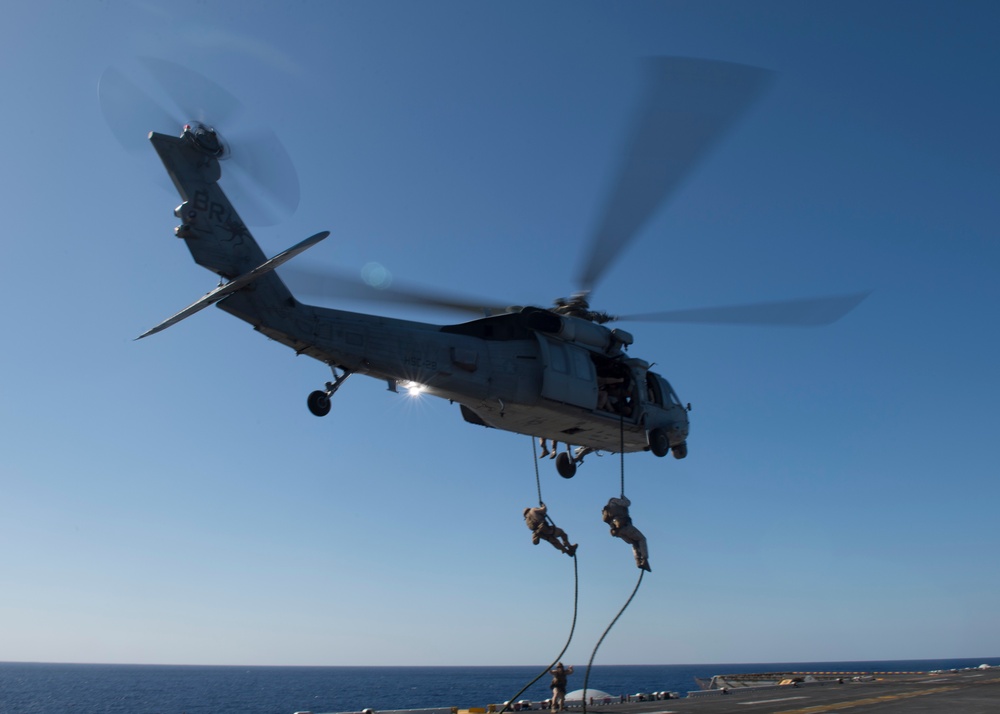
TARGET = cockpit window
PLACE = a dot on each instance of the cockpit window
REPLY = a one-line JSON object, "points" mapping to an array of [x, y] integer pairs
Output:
{"points": [[669, 391]]}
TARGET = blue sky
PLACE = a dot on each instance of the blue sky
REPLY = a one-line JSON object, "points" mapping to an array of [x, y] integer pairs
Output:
{"points": [[172, 500]]}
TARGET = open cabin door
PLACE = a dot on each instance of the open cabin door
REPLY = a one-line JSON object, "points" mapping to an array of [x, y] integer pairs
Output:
{"points": [[568, 375]]}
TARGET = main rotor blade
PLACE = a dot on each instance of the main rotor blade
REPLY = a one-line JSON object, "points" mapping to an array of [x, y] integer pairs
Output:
{"points": [[334, 283], [687, 105], [810, 312]]}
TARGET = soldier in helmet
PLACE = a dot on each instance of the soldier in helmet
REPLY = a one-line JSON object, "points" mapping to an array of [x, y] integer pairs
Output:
{"points": [[615, 514], [543, 529], [559, 675]]}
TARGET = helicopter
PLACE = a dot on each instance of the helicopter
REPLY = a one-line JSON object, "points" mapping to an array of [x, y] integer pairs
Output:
{"points": [[558, 373]]}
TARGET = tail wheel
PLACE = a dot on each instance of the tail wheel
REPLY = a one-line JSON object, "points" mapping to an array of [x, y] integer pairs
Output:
{"points": [[319, 403], [659, 442], [565, 465]]}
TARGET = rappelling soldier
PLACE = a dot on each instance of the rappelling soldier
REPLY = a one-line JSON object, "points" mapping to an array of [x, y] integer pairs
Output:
{"points": [[615, 514], [543, 529]]}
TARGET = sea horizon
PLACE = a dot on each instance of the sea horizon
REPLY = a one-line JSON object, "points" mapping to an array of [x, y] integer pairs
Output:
{"points": [[85, 688], [476, 666]]}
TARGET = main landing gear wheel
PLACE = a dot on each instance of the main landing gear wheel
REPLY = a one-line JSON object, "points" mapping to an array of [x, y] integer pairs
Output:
{"points": [[659, 442], [565, 465], [319, 403]]}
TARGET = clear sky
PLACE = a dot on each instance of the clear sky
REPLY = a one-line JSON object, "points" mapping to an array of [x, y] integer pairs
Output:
{"points": [[173, 501]]}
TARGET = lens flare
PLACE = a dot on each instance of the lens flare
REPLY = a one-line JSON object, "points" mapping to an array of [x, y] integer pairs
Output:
{"points": [[413, 388], [376, 275]]}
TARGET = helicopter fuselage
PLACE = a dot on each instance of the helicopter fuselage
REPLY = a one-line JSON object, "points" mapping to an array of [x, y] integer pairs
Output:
{"points": [[533, 371], [506, 372]]}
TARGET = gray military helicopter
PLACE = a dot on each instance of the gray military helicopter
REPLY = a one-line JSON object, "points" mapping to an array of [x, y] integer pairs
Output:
{"points": [[557, 373]]}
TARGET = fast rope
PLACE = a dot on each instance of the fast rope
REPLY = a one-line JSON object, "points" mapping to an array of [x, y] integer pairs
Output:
{"points": [[590, 664], [586, 677], [545, 671], [538, 479], [576, 596], [621, 450]]}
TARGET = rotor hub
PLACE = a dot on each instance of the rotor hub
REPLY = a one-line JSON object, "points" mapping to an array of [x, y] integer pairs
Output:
{"points": [[206, 140]]}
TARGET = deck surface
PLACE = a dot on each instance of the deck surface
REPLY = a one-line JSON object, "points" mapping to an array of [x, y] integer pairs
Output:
{"points": [[967, 691]]}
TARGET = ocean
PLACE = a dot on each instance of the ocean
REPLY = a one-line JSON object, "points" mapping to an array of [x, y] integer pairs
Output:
{"points": [[33, 688]]}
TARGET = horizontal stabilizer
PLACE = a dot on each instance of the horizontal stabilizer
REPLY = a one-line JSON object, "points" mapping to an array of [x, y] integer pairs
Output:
{"points": [[237, 284]]}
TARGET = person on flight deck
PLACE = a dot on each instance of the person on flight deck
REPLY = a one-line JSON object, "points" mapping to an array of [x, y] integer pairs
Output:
{"points": [[559, 675], [615, 514], [542, 529]]}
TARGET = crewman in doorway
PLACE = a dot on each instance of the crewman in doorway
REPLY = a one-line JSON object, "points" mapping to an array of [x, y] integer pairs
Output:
{"points": [[543, 442]]}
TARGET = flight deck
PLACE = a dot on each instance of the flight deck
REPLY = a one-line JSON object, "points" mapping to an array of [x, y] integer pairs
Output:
{"points": [[971, 691], [967, 691]]}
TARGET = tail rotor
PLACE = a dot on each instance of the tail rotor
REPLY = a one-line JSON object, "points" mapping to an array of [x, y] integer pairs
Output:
{"points": [[153, 94]]}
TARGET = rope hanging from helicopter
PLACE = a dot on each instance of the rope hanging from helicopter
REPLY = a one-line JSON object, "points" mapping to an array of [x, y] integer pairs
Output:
{"points": [[590, 664], [617, 516], [538, 478], [576, 589], [621, 451], [642, 568]]}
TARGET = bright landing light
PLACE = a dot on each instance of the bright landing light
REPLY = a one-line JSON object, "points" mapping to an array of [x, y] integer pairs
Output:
{"points": [[414, 389]]}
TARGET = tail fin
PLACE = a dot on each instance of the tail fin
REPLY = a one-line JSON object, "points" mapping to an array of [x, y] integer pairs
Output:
{"points": [[220, 241], [213, 230]]}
